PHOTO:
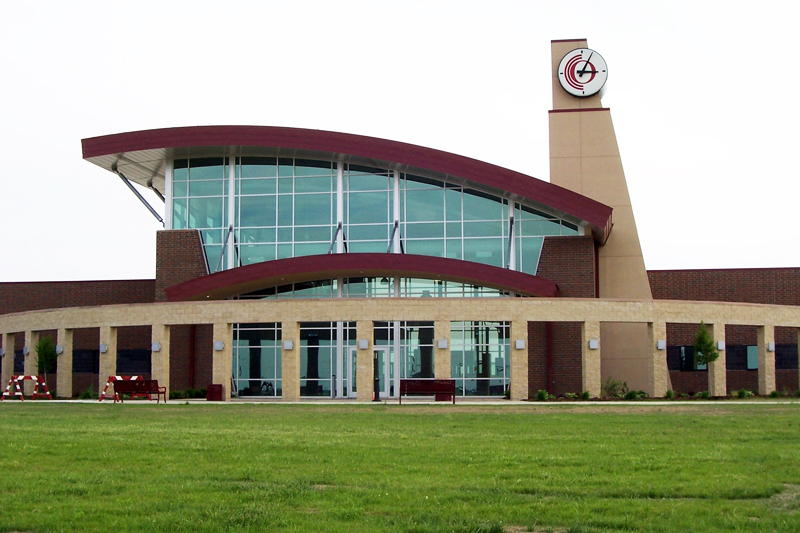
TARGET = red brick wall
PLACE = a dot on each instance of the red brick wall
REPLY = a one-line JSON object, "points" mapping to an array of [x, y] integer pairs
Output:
{"points": [[753, 285], [569, 261], [179, 257], [17, 297], [565, 345], [179, 368]]}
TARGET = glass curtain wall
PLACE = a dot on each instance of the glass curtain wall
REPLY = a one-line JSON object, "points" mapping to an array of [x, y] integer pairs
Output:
{"points": [[256, 359], [325, 349], [480, 357], [286, 207]]}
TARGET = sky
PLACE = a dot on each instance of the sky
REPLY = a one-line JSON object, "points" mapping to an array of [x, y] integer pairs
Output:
{"points": [[701, 97]]}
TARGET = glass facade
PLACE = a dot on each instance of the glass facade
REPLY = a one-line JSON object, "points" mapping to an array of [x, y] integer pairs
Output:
{"points": [[327, 359], [286, 207], [256, 359], [480, 357], [375, 288]]}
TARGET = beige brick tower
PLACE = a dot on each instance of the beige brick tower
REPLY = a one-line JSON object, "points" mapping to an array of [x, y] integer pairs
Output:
{"points": [[584, 158]]}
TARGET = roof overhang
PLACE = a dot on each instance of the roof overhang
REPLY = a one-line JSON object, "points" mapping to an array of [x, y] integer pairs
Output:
{"points": [[141, 156], [259, 276]]}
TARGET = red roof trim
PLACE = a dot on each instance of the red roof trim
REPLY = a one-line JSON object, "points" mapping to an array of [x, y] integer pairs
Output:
{"points": [[371, 148], [318, 267]]}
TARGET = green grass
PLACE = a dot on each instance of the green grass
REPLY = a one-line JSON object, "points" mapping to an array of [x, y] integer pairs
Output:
{"points": [[375, 468]]}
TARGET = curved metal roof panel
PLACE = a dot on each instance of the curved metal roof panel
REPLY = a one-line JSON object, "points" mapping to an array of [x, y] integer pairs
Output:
{"points": [[259, 276], [141, 155]]}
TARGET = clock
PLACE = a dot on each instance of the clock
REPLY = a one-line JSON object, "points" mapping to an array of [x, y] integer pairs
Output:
{"points": [[582, 72]]}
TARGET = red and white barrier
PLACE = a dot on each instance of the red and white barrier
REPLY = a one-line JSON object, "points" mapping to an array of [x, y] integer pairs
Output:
{"points": [[38, 381]]}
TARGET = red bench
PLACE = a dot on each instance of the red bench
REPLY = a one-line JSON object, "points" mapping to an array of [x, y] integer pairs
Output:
{"points": [[441, 389], [140, 387]]}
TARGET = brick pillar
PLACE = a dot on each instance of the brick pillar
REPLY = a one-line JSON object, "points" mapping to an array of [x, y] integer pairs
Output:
{"points": [[159, 360], [590, 359], [108, 360], [717, 372], [222, 359], [519, 360], [31, 340], [290, 362], [441, 362], [657, 373], [64, 376], [766, 360], [8, 360], [365, 358]]}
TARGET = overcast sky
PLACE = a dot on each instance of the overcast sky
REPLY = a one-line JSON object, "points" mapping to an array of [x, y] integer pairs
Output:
{"points": [[701, 95]]}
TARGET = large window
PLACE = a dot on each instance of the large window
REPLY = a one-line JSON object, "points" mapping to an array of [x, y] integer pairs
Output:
{"points": [[325, 349], [257, 360], [479, 357], [414, 343], [288, 207]]}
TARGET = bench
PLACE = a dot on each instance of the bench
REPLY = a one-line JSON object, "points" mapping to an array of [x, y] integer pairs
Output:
{"points": [[140, 387], [441, 389]]}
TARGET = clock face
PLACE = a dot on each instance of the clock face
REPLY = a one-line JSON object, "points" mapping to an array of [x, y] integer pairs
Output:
{"points": [[582, 72]]}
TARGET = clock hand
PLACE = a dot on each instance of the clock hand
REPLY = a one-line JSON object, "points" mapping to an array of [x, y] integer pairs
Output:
{"points": [[583, 70]]}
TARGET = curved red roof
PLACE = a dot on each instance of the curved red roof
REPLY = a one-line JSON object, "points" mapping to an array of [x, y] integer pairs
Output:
{"points": [[258, 276], [141, 155]]}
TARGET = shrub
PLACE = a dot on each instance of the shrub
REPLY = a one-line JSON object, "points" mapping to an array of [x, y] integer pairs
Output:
{"points": [[507, 393], [88, 395], [176, 395], [635, 395], [585, 395], [670, 394], [703, 394], [774, 394], [571, 395], [542, 396], [615, 388], [743, 393]]}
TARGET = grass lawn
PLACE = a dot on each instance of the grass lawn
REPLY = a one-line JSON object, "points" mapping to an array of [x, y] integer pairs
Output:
{"points": [[417, 468]]}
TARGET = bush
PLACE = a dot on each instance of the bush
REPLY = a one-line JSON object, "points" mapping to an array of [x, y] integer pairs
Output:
{"points": [[615, 388], [744, 393], [542, 396], [585, 395], [507, 393], [703, 394], [176, 395], [635, 395], [670, 394], [774, 394], [571, 395], [88, 395]]}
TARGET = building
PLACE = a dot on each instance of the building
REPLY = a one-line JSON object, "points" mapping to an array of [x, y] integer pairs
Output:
{"points": [[303, 263]]}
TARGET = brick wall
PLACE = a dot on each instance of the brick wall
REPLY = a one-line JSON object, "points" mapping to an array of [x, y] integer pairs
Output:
{"points": [[570, 262], [179, 258], [180, 346], [565, 347], [16, 297], [752, 285]]}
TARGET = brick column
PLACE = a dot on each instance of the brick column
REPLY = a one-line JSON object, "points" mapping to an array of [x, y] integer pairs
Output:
{"points": [[108, 360], [31, 340], [64, 376], [717, 372], [290, 362], [519, 361], [8, 360], [159, 361], [590, 359], [657, 372], [441, 357], [364, 362], [222, 359], [798, 360], [766, 360]]}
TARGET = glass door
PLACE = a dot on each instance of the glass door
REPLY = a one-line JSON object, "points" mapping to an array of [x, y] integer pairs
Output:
{"points": [[384, 369]]}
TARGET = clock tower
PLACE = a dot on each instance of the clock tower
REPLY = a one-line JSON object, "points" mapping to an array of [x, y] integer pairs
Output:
{"points": [[585, 158]]}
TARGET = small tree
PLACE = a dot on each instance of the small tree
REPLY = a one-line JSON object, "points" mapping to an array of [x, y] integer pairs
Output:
{"points": [[704, 350], [46, 356]]}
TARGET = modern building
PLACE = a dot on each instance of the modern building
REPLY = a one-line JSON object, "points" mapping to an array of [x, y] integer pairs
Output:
{"points": [[303, 263]]}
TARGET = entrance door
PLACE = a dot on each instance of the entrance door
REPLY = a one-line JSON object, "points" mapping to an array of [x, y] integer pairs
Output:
{"points": [[349, 371], [384, 368]]}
